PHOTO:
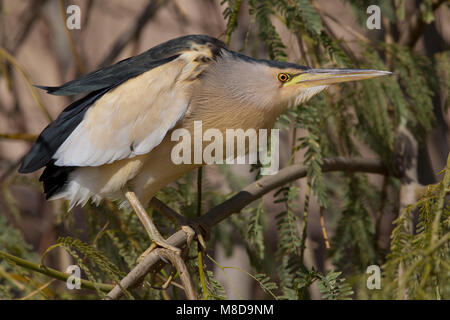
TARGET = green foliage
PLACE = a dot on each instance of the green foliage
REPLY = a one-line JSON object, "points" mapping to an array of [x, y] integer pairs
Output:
{"points": [[442, 67], [215, 288], [312, 143], [255, 230], [261, 11], [417, 266], [12, 277], [230, 14], [354, 245], [94, 263], [331, 285], [418, 79], [288, 241], [333, 288], [265, 283]]}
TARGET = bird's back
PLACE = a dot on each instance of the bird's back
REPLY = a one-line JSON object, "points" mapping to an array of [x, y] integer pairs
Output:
{"points": [[127, 112]]}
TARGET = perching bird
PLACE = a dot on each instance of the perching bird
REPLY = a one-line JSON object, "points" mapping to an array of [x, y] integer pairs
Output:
{"points": [[116, 140]]}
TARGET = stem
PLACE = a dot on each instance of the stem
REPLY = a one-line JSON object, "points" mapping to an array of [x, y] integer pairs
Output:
{"points": [[324, 229], [52, 273], [18, 136], [202, 274], [199, 191], [232, 22], [305, 222], [36, 97], [76, 56]]}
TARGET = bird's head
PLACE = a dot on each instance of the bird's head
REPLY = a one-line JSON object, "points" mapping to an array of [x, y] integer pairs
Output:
{"points": [[297, 85], [266, 83]]}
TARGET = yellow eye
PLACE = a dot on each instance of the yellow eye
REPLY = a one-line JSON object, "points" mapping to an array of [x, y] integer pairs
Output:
{"points": [[283, 77]]}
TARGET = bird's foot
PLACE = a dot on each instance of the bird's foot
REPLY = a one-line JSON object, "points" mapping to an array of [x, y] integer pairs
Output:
{"points": [[190, 234], [200, 231], [164, 244]]}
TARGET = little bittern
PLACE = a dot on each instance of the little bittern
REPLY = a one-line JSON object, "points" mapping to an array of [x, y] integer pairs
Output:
{"points": [[115, 142]]}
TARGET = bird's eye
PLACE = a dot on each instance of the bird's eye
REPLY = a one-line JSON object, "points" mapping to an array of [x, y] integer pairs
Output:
{"points": [[283, 77]]}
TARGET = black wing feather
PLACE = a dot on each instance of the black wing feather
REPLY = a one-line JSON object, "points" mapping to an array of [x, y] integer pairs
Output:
{"points": [[98, 83], [56, 132], [107, 77], [133, 66]]}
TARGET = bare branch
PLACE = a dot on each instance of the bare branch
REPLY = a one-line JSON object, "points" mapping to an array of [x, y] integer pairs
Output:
{"points": [[168, 212], [254, 191], [179, 264]]}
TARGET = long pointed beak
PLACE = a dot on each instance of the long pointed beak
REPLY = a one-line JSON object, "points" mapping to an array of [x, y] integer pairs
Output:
{"points": [[320, 77]]}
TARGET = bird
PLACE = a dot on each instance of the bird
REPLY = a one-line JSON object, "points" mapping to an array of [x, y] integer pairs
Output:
{"points": [[115, 142]]}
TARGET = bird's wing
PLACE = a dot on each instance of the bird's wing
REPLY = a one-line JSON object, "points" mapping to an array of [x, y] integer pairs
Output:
{"points": [[134, 66], [129, 109], [129, 120]]}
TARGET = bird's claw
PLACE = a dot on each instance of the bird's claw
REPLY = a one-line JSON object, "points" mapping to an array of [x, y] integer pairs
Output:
{"points": [[190, 233], [198, 230], [164, 244]]}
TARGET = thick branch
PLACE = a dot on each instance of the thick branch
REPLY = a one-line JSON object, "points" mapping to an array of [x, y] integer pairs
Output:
{"points": [[259, 188], [168, 212], [252, 192]]}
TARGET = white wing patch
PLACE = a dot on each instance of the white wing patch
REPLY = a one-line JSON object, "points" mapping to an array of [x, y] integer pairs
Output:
{"points": [[130, 120]]}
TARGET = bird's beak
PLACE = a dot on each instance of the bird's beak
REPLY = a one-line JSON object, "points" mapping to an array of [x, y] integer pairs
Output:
{"points": [[320, 77]]}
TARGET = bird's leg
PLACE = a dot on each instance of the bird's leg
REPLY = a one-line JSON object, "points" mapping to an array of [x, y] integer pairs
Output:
{"points": [[149, 226], [191, 228], [190, 233]]}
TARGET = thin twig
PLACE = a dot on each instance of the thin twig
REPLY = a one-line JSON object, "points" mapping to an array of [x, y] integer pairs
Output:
{"points": [[76, 56], [179, 264], [305, 222], [122, 225], [35, 292], [133, 33], [85, 284], [27, 21], [201, 272], [11, 168], [19, 136], [323, 227], [176, 284], [33, 91]]}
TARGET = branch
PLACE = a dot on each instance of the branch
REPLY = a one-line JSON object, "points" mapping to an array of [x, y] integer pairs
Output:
{"points": [[37, 98], [19, 136], [414, 30], [27, 21], [55, 274], [179, 264], [168, 212], [134, 32], [152, 262], [75, 54]]}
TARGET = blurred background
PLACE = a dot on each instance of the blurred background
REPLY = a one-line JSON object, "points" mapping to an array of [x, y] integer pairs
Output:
{"points": [[336, 222]]}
